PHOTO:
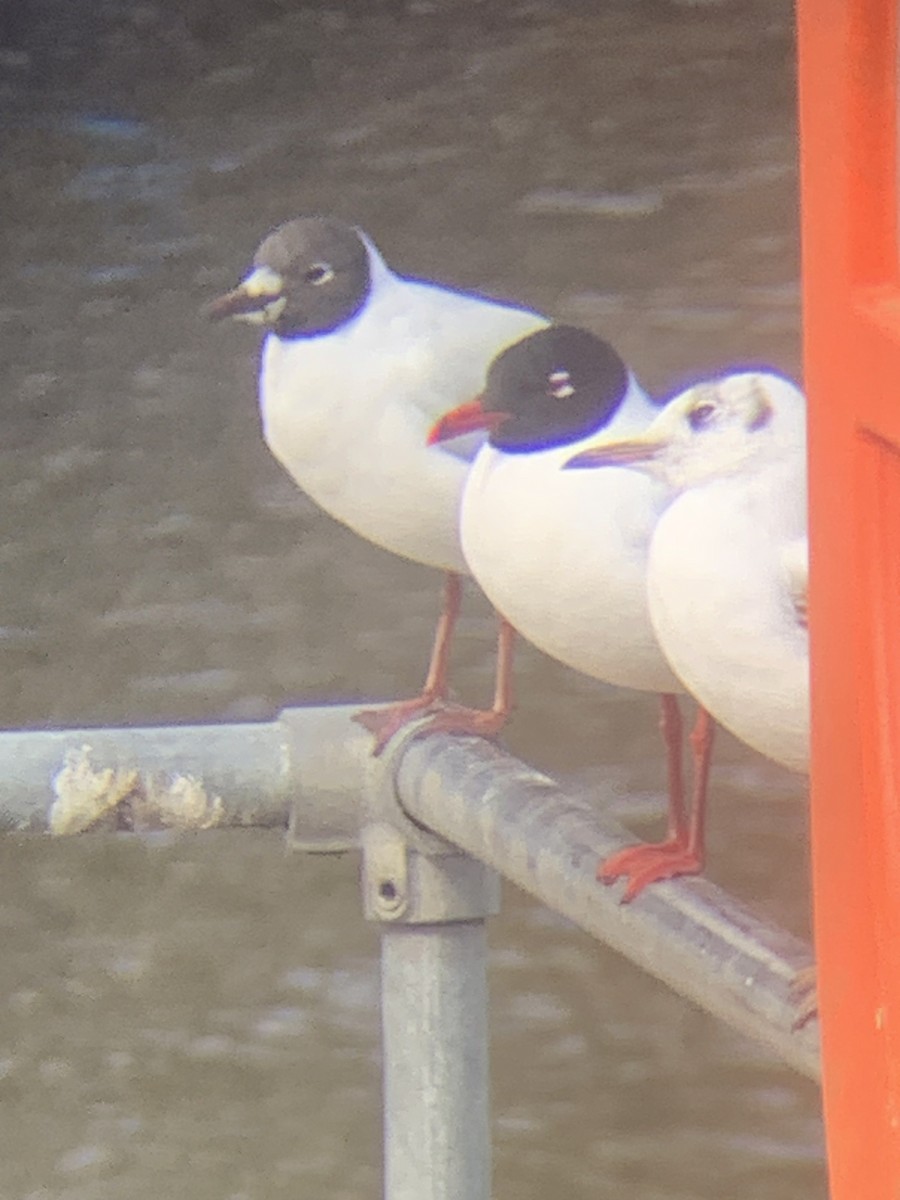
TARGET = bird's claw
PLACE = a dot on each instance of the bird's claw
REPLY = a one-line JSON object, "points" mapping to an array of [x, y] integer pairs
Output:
{"points": [[648, 863], [454, 718], [385, 723]]}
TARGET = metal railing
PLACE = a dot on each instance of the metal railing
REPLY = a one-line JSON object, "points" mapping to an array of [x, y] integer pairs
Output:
{"points": [[437, 820]]}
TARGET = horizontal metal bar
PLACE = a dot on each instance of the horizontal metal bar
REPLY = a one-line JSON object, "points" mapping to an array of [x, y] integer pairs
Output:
{"points": [[231, 761], [314, 767], [191, 776]]}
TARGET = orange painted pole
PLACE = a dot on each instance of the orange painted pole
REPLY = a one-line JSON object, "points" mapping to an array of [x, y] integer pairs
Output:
{"points": [[848, 59]]}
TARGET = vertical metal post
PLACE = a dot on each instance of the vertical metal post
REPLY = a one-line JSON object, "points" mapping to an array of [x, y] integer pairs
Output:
{"points": [[432, 902], [434, 1023]]}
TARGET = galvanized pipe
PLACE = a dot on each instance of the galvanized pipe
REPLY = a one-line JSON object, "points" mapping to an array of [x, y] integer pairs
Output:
{"points": [[688, 933], [192, 776], [434, 1007], [315, 764], [246, 766]]}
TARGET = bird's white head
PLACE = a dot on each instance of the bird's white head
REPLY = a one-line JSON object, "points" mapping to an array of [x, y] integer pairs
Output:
{"points": [[714, 429]]}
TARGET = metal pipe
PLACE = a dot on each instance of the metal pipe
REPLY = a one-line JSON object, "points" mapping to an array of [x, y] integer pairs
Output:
{"points": [[316, 765], [51, 778], [434, 1007], [688, 933], [191, 776], [431, 902]]}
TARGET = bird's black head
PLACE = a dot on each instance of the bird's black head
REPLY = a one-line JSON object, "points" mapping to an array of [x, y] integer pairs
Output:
{"points": [[556, 386]]}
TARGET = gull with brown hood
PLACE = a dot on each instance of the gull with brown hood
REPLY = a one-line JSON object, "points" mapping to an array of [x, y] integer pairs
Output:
{"points": [[357, 363]]}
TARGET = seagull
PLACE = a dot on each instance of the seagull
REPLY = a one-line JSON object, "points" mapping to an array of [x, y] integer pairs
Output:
{"points": [[357, 363], [563, 556], [728, 566], [729, 562]]}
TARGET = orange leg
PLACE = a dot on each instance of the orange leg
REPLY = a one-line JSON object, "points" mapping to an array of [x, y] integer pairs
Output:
{"points": [[683, 851], [385, 722], [483, 722], [670, 724]]}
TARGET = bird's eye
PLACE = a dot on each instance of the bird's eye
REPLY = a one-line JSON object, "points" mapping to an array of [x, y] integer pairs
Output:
{"points": [[318, 274], [701, 415]]}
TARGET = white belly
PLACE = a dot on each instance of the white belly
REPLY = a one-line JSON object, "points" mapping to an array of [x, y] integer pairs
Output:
{"points": [[727, 625], [348, 414], [562, 554], [369, 467]]}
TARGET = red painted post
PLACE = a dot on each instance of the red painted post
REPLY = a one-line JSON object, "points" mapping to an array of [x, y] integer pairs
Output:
{"points": [[848, 58]]}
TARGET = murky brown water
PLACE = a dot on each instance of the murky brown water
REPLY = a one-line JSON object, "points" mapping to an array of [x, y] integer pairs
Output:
{"points": [[199, 1017]]}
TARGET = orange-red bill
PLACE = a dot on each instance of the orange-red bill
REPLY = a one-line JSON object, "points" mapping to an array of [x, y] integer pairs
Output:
{"points": [[465, 418]]}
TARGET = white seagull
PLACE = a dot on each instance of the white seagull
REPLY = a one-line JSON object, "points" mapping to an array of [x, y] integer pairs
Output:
{"points": [[563, 555], [727, 571], [356, 365]]}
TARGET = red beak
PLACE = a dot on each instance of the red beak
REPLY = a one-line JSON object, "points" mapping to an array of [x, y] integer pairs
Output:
{"points": [[465, 419]]}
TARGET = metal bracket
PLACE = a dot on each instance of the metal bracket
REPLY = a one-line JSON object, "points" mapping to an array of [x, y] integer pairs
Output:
{"points": [[326, 769], [411, 875], [402, 885]]}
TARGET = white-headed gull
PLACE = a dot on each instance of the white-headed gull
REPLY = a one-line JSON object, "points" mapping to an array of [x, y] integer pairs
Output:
{"points": [[728, 561]]}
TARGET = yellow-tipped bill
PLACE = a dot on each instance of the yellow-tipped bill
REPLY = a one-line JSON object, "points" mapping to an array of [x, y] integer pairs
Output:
{"points": [[259, 299], [628, 453]]}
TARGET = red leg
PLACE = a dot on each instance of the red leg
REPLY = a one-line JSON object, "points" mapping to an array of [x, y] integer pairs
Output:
{"points": [[385, 722], [683, 851], [455, 718], [702, 738], [670, 724], [633, 858]]}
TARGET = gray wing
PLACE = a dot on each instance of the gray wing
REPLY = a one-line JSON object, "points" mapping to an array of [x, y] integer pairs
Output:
{"points": [[462, 336]]}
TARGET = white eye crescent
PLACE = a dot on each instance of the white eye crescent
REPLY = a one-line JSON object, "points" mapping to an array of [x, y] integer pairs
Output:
{"points": [[559, 385], [318, 274]]}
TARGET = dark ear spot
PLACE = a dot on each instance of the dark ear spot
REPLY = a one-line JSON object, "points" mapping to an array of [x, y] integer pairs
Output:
{"points": [[702, 414], [761, 411]]}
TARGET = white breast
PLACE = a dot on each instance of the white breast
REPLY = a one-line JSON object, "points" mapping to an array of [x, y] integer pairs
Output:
{"points": [[563, 555], [348, 413], [725, 612]]}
